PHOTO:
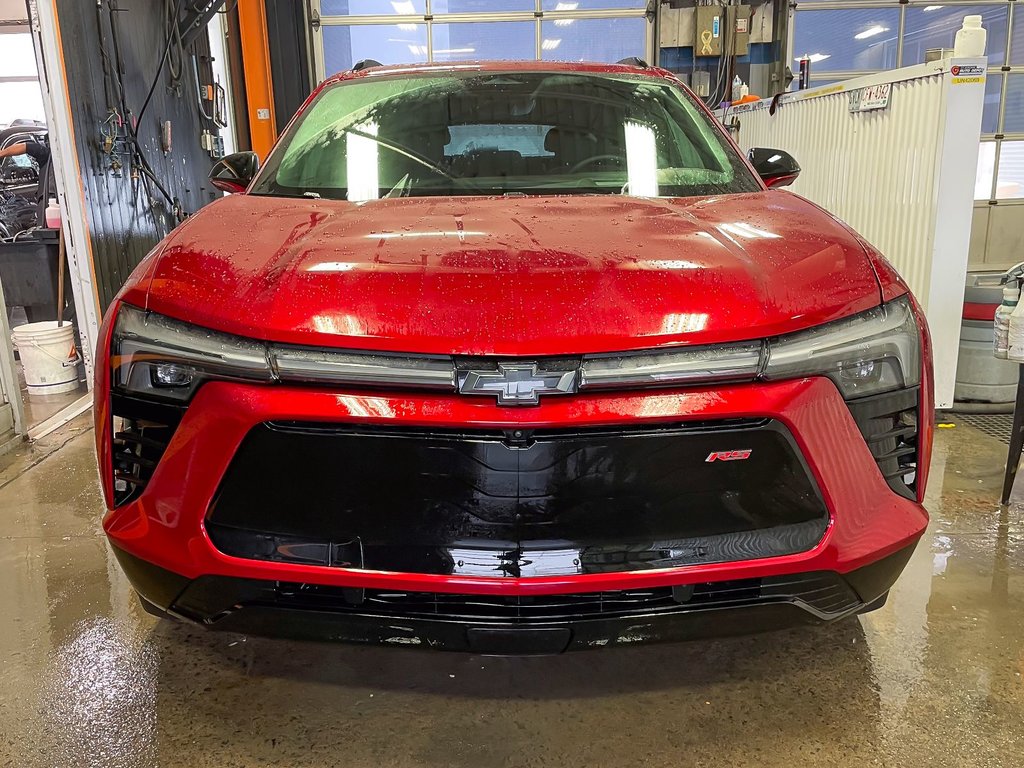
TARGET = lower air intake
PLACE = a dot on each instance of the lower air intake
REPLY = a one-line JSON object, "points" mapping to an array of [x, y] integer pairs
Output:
{"points": [[142, 431], [889, 424]]}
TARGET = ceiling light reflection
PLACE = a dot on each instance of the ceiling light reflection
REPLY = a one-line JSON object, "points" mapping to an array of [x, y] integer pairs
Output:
{"points": [[435, 233], [669, 264], [814, 58], [641, 160], [684, 322], [333, 266], [340, 325], [361, 166], [870, 32], [746, 231], [366, 406]]}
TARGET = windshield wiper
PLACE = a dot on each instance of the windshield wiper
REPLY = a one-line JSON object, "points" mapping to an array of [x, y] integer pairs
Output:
{"points": [[413, 155]]}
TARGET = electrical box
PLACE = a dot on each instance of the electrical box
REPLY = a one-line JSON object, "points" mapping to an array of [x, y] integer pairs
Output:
{"points": [[709, 30], [668, 25], [739, 23]]}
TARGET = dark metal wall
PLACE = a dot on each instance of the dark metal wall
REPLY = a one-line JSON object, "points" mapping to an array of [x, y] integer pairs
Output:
{"points": [[126, 213], [289, 57]]}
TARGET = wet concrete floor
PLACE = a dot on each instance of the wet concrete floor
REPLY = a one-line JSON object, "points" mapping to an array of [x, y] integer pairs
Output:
{"points": [[88, 679]]}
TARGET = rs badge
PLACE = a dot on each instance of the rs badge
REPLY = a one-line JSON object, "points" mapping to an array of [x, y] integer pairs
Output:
{"points": [[729, 455]]}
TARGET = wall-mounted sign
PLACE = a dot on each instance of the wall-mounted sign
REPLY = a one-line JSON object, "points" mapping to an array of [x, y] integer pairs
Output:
{"points": [[870, 98]]}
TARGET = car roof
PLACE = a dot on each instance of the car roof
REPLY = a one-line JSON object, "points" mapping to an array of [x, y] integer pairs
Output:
{"points": [[37, 130], [502, 66]]}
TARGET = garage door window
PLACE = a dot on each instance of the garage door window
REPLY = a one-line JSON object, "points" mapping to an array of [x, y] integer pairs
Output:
{"points": [[414, 31]]}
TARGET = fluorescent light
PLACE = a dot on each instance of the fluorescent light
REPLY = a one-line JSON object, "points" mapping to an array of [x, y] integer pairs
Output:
{"points": [[641, 160], [814, 58], [932, 8], [870, 32], [407, 27], [455, 50], [563, 22], [550, 45], [361, 165], [418, 50], [404, 7]]}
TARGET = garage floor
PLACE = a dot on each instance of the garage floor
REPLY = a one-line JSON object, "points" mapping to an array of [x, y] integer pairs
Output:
{"points": [[88, 679]]}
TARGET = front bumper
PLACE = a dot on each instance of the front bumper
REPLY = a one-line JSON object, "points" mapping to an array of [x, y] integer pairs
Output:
{"points": [[502, 625], [167, 525]]}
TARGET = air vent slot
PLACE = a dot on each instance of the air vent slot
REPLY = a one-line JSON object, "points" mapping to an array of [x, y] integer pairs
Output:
{"points": [[889, 424], [142, 431]]}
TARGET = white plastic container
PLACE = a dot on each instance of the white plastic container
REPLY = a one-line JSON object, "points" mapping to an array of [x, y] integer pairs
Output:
{"points": [[1001, 334], [53, 214], [970, 38], [1015, 338], [48, 356], [737, 88]]}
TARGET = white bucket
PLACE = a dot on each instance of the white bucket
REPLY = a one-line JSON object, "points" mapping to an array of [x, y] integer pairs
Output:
{"points": [[48, 356]]}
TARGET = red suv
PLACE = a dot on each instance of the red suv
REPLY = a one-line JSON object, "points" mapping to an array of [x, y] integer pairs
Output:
{"points": [[512, 358]]}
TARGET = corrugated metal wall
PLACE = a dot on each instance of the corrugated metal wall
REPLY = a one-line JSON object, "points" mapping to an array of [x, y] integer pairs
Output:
{"points": [[123, 225], [903, 177], [875, 170]]}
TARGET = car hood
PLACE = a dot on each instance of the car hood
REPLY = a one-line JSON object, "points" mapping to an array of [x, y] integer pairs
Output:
{"points": [[508, 276]]}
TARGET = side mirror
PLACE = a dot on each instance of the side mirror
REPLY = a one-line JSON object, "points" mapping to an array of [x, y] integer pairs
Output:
{"points": [[233, 173], [776, 167]]}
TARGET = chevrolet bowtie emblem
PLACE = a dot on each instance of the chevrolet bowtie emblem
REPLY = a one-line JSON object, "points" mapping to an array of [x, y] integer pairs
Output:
{"points": [[517, 384]]}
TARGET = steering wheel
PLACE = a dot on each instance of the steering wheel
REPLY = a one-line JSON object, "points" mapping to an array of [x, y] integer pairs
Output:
{"points": [[594, 159]]}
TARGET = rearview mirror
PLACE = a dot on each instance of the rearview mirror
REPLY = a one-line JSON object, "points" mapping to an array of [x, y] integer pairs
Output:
{"points": [[233, 173], [776, 167]]}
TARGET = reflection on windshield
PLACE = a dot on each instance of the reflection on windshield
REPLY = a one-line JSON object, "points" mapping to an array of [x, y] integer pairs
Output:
{"points": [[503, 133]]}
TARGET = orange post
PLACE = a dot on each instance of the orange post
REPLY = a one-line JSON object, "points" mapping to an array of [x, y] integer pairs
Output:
{"points": [[259, 87]]}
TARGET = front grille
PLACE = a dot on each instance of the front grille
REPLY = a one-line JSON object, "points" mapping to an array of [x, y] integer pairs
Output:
{"points": [[517, 502], [142, 431], [889, 423], [824, 592]]}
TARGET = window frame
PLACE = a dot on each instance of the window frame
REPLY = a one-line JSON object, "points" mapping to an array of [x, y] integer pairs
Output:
{"points": [[538, 15]]}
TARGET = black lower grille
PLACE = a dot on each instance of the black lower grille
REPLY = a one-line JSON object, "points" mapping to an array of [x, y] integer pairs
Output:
{"points": [[142, 431], [517, 503], [824, 592], [889, 423]]}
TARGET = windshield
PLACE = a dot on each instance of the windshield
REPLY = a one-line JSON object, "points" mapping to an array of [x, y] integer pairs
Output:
{"points": [[502, 133]]}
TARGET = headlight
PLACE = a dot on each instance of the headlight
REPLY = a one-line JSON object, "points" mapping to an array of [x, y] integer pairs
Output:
{"points": [[875, 351], [686, 366], [156, 356]]}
